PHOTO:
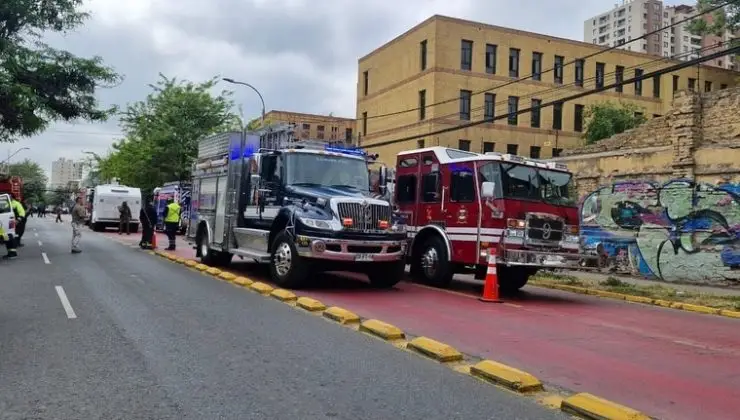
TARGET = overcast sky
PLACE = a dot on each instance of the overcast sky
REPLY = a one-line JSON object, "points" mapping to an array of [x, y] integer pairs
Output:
{"points": [[301, 54]]}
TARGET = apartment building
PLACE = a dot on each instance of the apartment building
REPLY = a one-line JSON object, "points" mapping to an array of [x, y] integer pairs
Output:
{"points": [[632, 19], [317, 127], [446, 72], [64, 171]]}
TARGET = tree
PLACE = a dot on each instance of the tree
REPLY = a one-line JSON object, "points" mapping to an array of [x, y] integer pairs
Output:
{"points": [[162, 132], [257, 123], [34, 180], [39, 84], [725, 18], [608, 119]]}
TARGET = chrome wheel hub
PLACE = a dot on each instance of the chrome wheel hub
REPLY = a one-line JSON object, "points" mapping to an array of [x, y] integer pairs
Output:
{"points": [[283, 259], [430, 262]]}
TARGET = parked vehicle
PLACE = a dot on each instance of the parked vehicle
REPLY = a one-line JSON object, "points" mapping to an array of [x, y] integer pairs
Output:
{"points": [[12, 184], [7, 218], [107, 199], [461, 205], [181, 193], [302, 206]]}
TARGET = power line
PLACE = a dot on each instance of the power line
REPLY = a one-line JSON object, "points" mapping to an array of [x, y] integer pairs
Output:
{"points": [[446, 101], [671, 69], [539, 94]]}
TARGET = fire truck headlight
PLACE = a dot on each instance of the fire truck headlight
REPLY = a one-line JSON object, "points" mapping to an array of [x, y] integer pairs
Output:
{"points": [[398, 228], [573, 239], [319, 223]]}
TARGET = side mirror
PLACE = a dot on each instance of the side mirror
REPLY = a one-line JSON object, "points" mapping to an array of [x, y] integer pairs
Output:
{"points": [[488, 189]]}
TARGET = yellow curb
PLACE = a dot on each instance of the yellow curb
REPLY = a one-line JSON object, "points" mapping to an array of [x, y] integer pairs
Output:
{"points": [[213, 271], [440, 352], [201, 267], [191, 263], [593, 407], [382, 330], [243, 281], [172, 257], [310, 304], [341, 315], [728, 313], [642, 299], [180, 260], [225, 275], [507, 376], [261, 288], [284, 295]]}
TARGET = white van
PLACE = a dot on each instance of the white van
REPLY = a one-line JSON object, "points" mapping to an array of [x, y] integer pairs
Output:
{"points": [[107, 199], [7, 218]]}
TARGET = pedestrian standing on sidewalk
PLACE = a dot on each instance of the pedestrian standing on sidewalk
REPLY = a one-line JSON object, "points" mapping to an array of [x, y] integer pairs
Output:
{"points": [[124, 215], [78, 220], [172, 222], [148, 217], [58, 211]]}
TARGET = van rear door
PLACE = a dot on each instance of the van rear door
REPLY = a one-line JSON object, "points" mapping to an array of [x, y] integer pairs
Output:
{"points": [[7, 218]]}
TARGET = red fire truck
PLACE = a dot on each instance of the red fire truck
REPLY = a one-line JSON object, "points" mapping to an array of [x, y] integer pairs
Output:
{"points": [[12, 184], [460, 205]]}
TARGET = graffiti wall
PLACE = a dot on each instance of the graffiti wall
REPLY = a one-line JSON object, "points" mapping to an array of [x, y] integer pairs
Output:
{"points": [[678, 231]]}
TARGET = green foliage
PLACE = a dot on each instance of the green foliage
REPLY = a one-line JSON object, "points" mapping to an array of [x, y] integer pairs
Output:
{"points": [[257, 123], [162, 133], [726, 18], [59, 196], [608, 119], [34, 180], [39, 84]]}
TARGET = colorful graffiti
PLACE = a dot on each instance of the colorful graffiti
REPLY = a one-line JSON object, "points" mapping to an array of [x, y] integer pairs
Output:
{"points": [[680, 231]]}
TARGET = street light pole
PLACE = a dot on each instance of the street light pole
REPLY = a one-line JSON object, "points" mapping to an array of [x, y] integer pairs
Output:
{"points": [[232, 81], [14, 153]]}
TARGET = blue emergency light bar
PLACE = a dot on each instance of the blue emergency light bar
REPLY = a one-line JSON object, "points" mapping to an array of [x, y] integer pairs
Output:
{"points": [[355, 151]]}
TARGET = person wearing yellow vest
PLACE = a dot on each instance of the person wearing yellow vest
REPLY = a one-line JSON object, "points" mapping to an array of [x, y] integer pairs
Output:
{"points": [[9, 242], [20, 217], [172, 222]]}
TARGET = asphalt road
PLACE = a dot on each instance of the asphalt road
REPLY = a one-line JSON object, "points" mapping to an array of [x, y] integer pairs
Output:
{"points": [[116, 333]]}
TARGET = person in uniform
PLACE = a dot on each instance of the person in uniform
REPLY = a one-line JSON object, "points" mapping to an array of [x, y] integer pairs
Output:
{"points": [[148, 217], [172, 222], [20, 216]]}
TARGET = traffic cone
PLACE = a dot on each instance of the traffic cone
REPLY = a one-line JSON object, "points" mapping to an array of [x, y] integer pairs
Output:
{"points": [[490, 287], [154, 240]]}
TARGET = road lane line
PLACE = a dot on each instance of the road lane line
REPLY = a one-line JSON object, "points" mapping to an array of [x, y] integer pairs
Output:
{"points": [[65, 303], [46, 258], [36, 235], [41, 243]]}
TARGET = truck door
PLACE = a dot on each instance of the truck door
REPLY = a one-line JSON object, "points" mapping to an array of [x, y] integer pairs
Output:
{"points": [[405, 196], [462, 210], [430, 207], [264, 202]]}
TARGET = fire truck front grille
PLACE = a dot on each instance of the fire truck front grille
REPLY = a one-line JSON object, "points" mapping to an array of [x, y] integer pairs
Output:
{"points": [[364, 216], [548, 230]]}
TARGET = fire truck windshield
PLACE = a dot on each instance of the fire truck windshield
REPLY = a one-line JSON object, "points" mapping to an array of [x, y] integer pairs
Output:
{"points": [[526, 182], [325, 170]]}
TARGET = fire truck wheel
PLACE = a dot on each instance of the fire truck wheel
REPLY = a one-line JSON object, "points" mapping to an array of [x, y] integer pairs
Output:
{"points": [[287, 269], [433, 263], [511, 279], [386, 275]]}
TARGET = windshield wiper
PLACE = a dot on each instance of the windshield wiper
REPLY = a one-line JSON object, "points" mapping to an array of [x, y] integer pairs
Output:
{"points": [[306, 184], [343, 186]]}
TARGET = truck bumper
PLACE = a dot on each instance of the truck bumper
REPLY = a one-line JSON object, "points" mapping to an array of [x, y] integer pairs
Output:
{"points": [[348, 250], [545, 258]]}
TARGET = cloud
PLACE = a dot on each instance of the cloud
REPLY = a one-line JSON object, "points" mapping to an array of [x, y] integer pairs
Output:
{"points": [[301, 54]]}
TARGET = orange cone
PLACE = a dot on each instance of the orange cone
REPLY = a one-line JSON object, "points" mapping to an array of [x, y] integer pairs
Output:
{"points": [[154, 240], [490, 287]]}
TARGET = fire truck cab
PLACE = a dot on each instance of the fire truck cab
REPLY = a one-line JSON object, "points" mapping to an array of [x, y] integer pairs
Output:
{"points": [[460, 205]]}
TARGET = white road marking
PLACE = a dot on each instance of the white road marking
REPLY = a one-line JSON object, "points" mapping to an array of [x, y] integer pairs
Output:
{"points": [[36, 235], [46, 258], [41, 243], [65, 303]]}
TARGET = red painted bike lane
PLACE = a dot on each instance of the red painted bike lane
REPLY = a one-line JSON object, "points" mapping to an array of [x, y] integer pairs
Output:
{"points": [[670, 364]]}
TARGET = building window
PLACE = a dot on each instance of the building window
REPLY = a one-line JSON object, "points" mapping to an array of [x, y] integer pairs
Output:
{"points": [[675, 84], [490, 106], [656, 86], [557, 116], [513, 110], [514, 62], [512, 149], [491, 53], [638, 115], [534, 152], [556, 152], [707, 86], [365, 82], [465, 104], [619, 79], [579, 72], [558, 69], [463, 145], [420, 143], [600, 70], [422, 105], [306, 126], [319, 128], [638, 82], [466, 55], [536, 66], [578, 118], [364, 123], [536, 111], [692, 84], [723, 86], [348, 135], [423, 54], [488, 146]]}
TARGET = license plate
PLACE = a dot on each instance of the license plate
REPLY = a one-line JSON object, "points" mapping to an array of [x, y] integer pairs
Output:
{"points": [[364, 257]]}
